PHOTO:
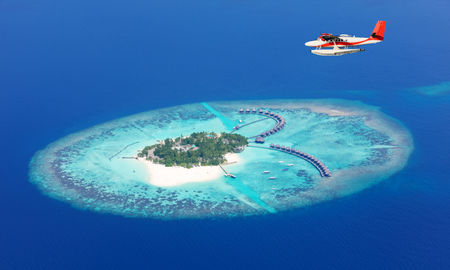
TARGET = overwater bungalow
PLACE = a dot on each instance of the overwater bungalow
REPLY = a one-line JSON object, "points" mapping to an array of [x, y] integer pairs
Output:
{"points": [[259, 140]]}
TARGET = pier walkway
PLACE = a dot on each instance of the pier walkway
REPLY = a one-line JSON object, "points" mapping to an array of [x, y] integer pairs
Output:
{"points": [[121, 150], [226, 172], [278, 118], [246, 124], [323, 170]]}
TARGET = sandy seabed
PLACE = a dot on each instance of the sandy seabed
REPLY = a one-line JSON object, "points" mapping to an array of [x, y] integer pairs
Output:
{"points": [[94, 169]]}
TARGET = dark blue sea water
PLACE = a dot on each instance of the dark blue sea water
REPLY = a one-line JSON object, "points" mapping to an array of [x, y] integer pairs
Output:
{"points": [[67, 65]]}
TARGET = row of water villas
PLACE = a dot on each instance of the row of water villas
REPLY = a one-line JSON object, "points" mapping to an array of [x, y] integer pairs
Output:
{"points": [[324, 171], [278, 118]]}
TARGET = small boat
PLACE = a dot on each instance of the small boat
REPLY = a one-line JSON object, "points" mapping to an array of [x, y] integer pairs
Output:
{"points": [[281, 161], [272, 178], [285, 169], [290, 165], [266, 171]]}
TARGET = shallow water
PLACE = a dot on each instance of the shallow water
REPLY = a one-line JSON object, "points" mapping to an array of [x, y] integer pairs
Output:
{"points": [[359, 145], [69, 65]]}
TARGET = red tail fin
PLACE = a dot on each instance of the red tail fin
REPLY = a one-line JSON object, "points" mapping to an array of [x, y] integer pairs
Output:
{"points": [[378, 31]]}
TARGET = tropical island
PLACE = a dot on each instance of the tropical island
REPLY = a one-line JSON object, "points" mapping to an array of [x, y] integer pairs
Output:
{"points": [[98, 168], [197, 149]]}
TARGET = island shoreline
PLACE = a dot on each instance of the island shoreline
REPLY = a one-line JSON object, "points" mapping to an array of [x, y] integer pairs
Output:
{"points": [[161, 176]]}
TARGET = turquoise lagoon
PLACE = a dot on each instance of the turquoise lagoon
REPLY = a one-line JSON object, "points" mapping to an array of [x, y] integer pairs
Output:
{"points": [[357, 142]]}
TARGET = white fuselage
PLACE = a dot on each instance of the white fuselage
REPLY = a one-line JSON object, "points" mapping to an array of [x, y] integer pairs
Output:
{"points": [[344, 41]]}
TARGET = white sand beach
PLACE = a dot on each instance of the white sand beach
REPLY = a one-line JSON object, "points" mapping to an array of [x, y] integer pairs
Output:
{"points": [[163, 176]]}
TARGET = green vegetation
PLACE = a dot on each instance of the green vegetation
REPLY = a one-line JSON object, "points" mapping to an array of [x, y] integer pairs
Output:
{"points": [[200, 148]]}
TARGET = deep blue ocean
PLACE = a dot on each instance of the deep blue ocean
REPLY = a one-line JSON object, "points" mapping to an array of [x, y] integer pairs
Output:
{"points": [[68, 65]]}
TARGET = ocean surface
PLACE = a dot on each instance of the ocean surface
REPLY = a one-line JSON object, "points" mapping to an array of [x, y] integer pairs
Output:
{"points": [[66, 66]]}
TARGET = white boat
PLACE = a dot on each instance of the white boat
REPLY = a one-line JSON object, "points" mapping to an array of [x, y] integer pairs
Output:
{"points": [[272, 178], [290, 165], [281, 161], [266, 171]]}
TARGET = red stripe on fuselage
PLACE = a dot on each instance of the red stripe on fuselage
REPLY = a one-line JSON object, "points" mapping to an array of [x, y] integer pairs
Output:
{"points": [[347, 43]]}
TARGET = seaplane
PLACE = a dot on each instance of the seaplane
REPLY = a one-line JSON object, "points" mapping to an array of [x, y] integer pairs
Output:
{"points": [[331, 45]]}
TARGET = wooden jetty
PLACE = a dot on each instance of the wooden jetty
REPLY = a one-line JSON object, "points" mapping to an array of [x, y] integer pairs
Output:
{"points": [[227, 174], [280, 122]]}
